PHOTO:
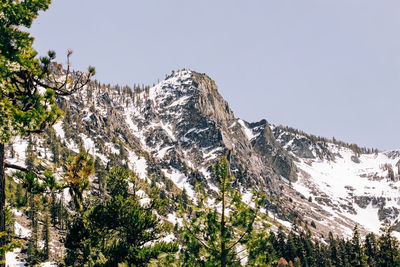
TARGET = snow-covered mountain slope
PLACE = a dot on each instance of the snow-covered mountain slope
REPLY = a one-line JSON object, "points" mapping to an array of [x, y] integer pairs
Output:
{"points": [[347, 184], [173, 132]]}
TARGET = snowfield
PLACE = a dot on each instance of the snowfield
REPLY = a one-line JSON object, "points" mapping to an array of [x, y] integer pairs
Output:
{"points": [[343, 179]]}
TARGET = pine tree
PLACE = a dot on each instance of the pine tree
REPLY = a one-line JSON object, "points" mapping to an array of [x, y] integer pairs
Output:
{"points": [[290, 247], [80, 168], [20, 197], [308, 247], [281, 242], [119, 231], [8, 235], [34, 189], [53, 209], [30, 155], [46, 236], [33, 250], [62, 213], [357, 255], [25, 109], [101, 175], [371, 249], [388, 253], [213, 236], [333, 249], [261, 251], [184, 199], [55, 149]]}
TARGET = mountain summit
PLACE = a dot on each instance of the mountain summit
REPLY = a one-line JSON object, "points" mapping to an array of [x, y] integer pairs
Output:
{"points": [[172, 133], [185, 118]]}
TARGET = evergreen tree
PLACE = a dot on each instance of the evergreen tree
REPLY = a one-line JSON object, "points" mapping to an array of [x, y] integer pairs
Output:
{"points": [[34, 190], [356, 253], [371, 249], [33, 249], [101, 175], [25, 109], [53, 209], [62, 213], [261, 251], [20, 197], [8, 235], [308, 247], [213, 237], [55, 149], [388, 253], [80, 168], [30, 155], [120, 231], [291, 249], [46, 236], [281, 242], [344, 252]]}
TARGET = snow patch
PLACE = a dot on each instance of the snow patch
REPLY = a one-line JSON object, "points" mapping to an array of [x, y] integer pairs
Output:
{"points": [[19, 145], [180, 180], [341, 180], [138, 165], [163, 151], [172, 218], [13, 260], [58, 127], [21, 231], [367, 217], [248, 132]]}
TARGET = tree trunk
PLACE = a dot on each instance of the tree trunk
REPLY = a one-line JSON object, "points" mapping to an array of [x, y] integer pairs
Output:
{"points": [[223, 247], [2, 199]]}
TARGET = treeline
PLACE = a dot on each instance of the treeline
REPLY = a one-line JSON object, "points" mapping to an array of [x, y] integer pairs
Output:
{"points": [[301, 249], [123, 222], [354, 147]]}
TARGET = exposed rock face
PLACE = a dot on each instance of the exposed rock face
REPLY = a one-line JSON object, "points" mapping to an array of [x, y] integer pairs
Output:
{"points": [[186, 113], [302, 146], [172, 133]]}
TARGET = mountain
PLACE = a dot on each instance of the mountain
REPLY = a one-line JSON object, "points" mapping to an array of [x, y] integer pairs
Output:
{"points": [[172, 133]]}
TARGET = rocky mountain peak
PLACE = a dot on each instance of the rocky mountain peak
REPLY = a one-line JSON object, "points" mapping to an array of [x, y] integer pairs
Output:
{"points": [[185, 117], [175, 131], [196, 90]]}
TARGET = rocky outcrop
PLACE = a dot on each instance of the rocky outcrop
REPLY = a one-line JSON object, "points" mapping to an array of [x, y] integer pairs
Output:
{"points": [[302, 145], [177, 129]]}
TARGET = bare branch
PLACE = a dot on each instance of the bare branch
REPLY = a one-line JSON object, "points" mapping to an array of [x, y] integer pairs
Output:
{"points": [[16, 167], [237, 241], [198, 239]]}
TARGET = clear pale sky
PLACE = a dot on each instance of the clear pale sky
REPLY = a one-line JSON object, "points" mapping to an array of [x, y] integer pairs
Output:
{"points": [[328, 67]]}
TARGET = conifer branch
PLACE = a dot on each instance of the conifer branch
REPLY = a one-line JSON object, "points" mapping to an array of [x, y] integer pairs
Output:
{"points": [[237, 241], [198, 239]]}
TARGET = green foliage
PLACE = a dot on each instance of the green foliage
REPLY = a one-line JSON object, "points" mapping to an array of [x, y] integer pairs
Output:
{"points": [[118, 231], [46, 236], [34, 256], [260, 249], [371, 249], [10, 246], [80, 168], [117, 182], [212, 238], [21, 113], [383, 251], [28, 85], [24, 107], [388, 253], [8, 235]]}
